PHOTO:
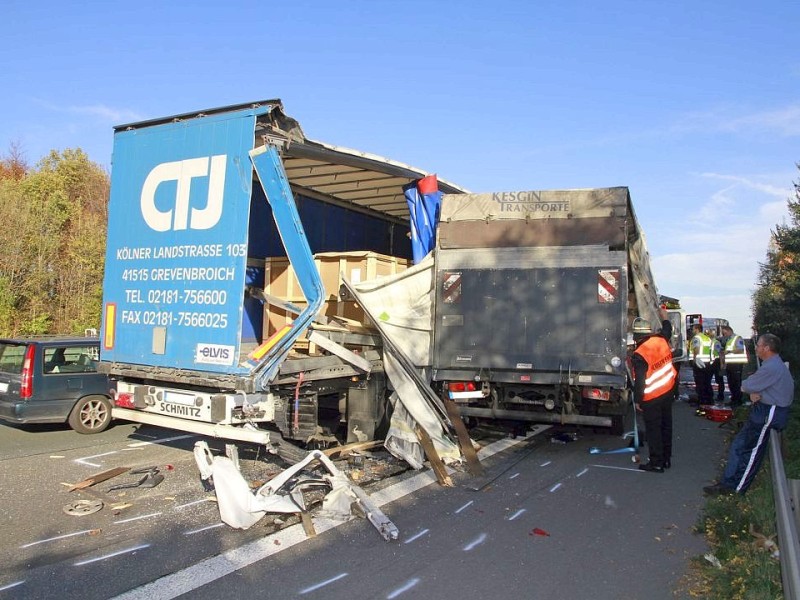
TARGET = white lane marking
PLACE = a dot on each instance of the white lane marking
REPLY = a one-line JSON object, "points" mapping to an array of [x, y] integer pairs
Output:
{"points": [[11, 585], [555, 487], [416, 536], [516, 514], [137, 518], [112, 555], [514, 476], [206, 528], [544, 464], [465, 506], [161, 440], [192, 503], [85, 459], [636, 470], [402, 589], [476, 542], [216, 567], [58, 537], [322, 584], [586, 470]]}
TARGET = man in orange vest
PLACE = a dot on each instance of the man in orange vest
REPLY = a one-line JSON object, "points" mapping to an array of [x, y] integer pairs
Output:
{"points": [[653, 390]]}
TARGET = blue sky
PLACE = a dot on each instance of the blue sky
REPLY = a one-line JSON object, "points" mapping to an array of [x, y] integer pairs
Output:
{"points": [[694, 105]]}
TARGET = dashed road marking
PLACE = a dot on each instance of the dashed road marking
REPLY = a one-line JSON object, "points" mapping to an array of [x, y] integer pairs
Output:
{"points": [[322, 584]]}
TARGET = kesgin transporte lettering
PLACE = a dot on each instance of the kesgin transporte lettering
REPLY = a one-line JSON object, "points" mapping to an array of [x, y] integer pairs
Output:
{"points": [[527, 202]]}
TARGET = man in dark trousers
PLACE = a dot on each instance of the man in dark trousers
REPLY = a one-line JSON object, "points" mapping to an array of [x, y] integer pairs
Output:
{"points": [[653, 389], [771, 390], [734, 358], [701, 349]]}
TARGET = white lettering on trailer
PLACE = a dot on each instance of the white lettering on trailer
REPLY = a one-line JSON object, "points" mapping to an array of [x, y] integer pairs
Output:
{"points": [[126, 253], [193, 274], [132, 317], [182, 172]]}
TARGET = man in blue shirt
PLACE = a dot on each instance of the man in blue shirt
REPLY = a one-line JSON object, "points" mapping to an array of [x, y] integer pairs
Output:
{"points": [[771, 390]]}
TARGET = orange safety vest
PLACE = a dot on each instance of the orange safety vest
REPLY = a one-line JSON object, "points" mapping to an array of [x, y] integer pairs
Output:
{"points": [[661, 374]]}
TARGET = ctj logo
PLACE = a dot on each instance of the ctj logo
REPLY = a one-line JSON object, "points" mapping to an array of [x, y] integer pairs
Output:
{"points": [[183, 171]]}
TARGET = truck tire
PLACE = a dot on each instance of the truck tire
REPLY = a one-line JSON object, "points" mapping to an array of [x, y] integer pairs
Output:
{"points": [[91, 414]]}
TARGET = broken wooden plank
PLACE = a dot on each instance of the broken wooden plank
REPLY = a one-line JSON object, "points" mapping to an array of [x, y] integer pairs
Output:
{"points": [[433, 457], [355, 446], [464, 441], [104, 476], [308, 524]]}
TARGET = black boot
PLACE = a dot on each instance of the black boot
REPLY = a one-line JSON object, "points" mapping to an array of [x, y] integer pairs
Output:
{"points": [[651, 468]]}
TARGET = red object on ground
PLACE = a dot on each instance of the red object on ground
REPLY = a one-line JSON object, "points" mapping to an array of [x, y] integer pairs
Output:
{"points": [[537, 531], [719, 413]]}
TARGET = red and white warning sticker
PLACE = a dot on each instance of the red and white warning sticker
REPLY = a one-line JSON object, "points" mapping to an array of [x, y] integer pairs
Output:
{"points": [[451, 288], [607, 286]]}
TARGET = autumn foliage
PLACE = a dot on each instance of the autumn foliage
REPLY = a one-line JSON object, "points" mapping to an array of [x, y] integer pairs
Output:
{"points": [[52, 243]]}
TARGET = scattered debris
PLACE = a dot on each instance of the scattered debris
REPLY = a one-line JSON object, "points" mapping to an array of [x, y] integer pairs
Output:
{"points": [[541, 532], [150, 479], [100, 477], [241, 508], [713, 560], [433, 457], [762, 542], [57, 456], [80, 508], [464, 442], [308, 524], [563, 438], [342, 451]]}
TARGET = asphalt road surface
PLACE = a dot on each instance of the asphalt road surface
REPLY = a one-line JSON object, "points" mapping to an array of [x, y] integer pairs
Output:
{"points": [[549, 521]]}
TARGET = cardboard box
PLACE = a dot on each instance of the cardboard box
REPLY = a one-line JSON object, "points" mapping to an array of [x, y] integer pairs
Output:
{"points": [[280, 281]]}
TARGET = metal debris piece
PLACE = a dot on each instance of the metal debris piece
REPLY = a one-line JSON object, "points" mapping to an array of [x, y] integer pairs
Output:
{"points": [[241, 508], [81, 508], [150, 479]]}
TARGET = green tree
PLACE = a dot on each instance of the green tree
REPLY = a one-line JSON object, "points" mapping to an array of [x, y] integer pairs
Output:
{"points": [[52, 245], [776, 301]]}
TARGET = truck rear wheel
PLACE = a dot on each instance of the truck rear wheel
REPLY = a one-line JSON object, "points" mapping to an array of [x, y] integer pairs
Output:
{"points": [[91, 414]]}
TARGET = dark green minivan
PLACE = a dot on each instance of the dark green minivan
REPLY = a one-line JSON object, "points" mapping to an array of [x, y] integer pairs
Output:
{"points": [[54, 379]]}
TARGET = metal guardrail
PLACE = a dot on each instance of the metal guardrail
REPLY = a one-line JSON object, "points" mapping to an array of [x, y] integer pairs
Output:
{"points": [[786, 521]]}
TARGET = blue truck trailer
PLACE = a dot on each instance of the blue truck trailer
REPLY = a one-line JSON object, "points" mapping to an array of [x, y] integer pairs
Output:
{"points": [[200, 203]]}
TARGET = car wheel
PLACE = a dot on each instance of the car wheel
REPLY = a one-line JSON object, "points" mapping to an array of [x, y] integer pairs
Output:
{"points": [[91, 414]]}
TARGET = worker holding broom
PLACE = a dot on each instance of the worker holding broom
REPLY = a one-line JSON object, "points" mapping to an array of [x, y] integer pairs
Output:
{"points": [[654, 379]]}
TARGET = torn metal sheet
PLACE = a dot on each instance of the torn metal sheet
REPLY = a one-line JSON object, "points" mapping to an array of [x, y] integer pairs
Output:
{"points": [[400, 307], [241, 508]]}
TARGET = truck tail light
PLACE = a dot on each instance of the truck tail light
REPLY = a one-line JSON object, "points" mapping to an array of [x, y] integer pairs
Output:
{"points": [[124, 400], [596, 394], [26, 385], [461, 386]]}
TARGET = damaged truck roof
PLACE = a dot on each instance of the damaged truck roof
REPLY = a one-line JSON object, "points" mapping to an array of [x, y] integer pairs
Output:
{"points": [[354, 179]]}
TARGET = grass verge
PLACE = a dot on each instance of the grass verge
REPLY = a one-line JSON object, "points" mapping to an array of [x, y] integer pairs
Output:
{"points": [[740, 564]]}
